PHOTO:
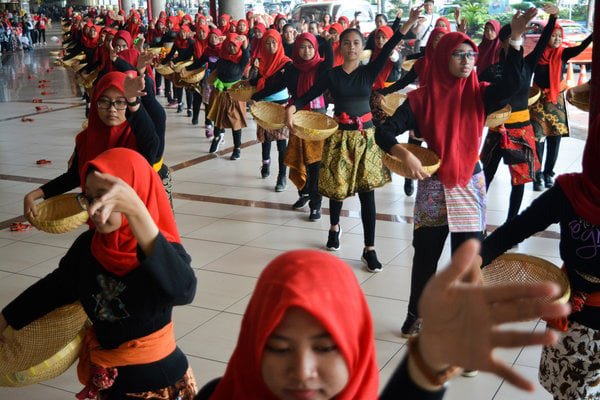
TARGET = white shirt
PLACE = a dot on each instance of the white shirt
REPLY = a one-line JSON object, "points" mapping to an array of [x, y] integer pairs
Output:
{"points": [[426, 27]]}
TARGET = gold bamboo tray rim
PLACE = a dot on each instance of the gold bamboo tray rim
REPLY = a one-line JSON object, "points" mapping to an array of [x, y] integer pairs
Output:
{"points": [[268, 115], [429, 159], [497, 118], [60, 214], [314, 126]]}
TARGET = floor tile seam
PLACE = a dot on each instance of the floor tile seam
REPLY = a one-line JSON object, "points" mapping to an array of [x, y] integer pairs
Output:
{"points": [[383, 297], [226, 272], [39, 113], [46, 384], [392, 356], [208, 359], [210, 156], [202, 324]]}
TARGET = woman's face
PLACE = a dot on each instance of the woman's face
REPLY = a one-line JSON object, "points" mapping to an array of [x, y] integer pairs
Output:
{"points": [[258, 34], [441, 24], [271, 45], [213, 39], [380, 40], [313, 28], [380, 21], [93, 33], [169, 24], [556, 39], [241, 28], [232, 48], [352, 46], [326, 19], [159, 26], [301, 360], [94, 189], [151, 25], [120, 45], [183, 34], [335, 37], [281, 23], [135, 20], [202, 34], [489, 32], [288, 34], [306, 50], [112, 114], [223, 22], [461, 61], [343, 23]]}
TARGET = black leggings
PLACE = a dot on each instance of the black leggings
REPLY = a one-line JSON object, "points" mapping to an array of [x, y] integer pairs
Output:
{"points": [[196, 104], [157, 79], [428, 242], [281, 147], [42, 37], [311, 188], [553, 144], [367, 215], [188, 96]]}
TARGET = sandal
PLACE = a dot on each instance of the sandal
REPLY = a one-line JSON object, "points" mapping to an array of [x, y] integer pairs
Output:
{"points": [[27, 119], [19, 227], [42, 161]]}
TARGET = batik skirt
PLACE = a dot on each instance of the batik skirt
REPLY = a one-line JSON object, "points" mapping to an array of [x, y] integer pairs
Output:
{"points": [[549, 119], [225, 112]]}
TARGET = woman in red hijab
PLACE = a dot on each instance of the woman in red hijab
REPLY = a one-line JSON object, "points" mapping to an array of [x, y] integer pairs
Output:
{"points": [[255, 49], [335, 30], [442, 22], [118, 118], [489, 48], [449, 114], [128, 272], [388, 75], [273, 61], [420, 71], [303, 157], [182, 50], [549, 114], [224, 22], [307, 333], [133, 25]]}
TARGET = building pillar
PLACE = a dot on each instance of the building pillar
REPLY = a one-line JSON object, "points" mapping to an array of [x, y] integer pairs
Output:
{"points": [[235, 8], [157, 7], [126, 6]]}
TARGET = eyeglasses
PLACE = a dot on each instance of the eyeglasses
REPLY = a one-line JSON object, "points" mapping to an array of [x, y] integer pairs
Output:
{"points": [[106, 104], [469, 55]]}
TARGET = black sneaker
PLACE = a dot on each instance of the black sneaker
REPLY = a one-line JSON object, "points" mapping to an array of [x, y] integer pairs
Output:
{"points": [[333, 241], [411, 326], [189, 112], [195, 121], [301, 202], [265, 170], [548, 180], [281, 183], [235, 155], [179, 108], [216, 142], [409, 187], [369, 257], [315, 215]]}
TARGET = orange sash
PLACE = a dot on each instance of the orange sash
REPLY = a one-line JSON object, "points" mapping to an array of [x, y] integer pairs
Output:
{"points": [[147, 349]]}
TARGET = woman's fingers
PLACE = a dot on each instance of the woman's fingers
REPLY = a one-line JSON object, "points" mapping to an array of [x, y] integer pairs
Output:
{"points": [[506, 372], [525, 309], [513, 338]]}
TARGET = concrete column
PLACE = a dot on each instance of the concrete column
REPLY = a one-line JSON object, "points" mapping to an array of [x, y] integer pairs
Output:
{"points": [[126, 6], [157, 7], [235, 8]]}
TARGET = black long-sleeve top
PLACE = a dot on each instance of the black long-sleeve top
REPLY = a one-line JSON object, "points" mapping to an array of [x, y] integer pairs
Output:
{"points": [[121, 308], [271, 80], [148, 124], [182, 54], [288, 78], [351, 92], [228, 71], [542, 72], [493, 73], [495, 96], [401, 83], [579, 244], [79, 47]]}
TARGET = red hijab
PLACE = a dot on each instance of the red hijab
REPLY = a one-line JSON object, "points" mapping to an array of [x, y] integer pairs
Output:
{"points": [[489, 50], [553, 58], [98, 137], [308, 69], [256, 43], [385, 72], [225, 54], [338, 58], [87, 40], [325, 287], [224, 28], [210, 50], [271, 63], [125, 35], [175, 23], [451, 114], [583, 189], [133, 27], [182, 43], [117, 251], [346, 20], [245, 32], [446, 22], [422, 64], [199, 43]]}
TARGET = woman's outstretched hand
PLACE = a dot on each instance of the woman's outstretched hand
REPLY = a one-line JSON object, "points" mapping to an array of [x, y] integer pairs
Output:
{"points": [[461, 317]]}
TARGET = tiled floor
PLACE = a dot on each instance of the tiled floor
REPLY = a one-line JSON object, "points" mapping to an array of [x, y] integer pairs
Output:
{"points": [[232, 223]]}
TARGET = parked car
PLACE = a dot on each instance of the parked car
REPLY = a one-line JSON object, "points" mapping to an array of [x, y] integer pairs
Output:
{"points": [[573, 35], [337, 9]]}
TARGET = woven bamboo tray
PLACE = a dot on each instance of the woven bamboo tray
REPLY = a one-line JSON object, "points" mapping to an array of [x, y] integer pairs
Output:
{"points": [[579, 96], [88, 82], [164, 70], [311, 125], [408, 64], [193, 76], [497, 118], [390, 102], [523, 268], [60, 214], [181, 65], [534, 95], [43, 349], [268, 115], [429, 160], [55, 53], [242, 91], [154, 50]]}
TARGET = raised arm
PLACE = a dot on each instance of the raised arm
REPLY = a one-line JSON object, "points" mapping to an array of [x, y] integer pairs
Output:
{"points": [[534, 57]]}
